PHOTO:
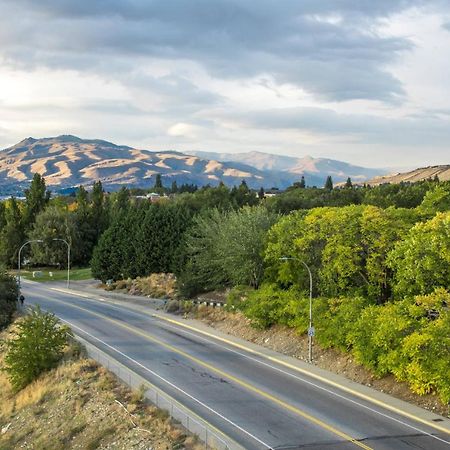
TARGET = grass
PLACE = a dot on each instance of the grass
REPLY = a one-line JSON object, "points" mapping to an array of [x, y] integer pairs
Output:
{"points": [[76, 406], [58, 275]]}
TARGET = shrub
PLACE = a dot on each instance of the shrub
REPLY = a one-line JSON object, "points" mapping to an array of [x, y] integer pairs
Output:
{"points": [[38, 346], [9, 292], [337, 320]]}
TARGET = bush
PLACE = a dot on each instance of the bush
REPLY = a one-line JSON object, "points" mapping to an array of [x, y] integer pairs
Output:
{"points": [[38, 346], [9, 292], [336, 322]]}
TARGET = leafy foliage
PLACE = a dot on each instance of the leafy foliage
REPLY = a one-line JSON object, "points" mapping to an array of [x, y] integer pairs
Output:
{"points": [[9, 293], [37, 346], [421, 262]]}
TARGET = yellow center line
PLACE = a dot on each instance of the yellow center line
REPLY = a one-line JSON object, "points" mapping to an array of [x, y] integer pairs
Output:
{"points": [[238, 381]]}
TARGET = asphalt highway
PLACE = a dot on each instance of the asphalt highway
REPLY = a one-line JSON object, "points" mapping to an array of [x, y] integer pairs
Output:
{"points": [[259, 404]]}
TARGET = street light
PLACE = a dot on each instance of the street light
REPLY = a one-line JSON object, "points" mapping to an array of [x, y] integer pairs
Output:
{"points": [[19, 258], [68, 258], [310, 328]]}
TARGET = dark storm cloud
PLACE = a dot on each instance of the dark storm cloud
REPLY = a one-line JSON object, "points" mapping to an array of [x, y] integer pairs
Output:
{"points": [[329, 48]]}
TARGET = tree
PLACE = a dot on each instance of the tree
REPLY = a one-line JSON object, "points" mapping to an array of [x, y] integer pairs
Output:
{"points": [[261, 193], [38, 346], [2, 216], [329, 183], [36, 198], [13, 235], [421, 262], [121, 201], [226, 248], [437, 199], [9, 293], [114, 257], [158, 182], [243, 195], [302, 184], [99, 210], [52, 223], [158, 239], [348, 183], [174, 187]]}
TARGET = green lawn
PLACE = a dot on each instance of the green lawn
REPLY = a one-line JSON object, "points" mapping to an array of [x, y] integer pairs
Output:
{"points": [[58, 275]]}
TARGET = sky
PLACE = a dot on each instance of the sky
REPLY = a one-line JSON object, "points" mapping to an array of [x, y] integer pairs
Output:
{"points": [[362, 81]]}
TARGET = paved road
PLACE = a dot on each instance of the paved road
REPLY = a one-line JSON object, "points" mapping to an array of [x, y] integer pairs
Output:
{"points": [[259, 404]]}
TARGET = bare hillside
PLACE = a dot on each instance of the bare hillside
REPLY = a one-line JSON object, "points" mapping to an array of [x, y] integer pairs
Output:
{"points": [[423, 173]]}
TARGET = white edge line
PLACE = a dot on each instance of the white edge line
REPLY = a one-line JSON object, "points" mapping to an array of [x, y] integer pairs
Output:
{"points": [[183, 329], [170, 384]]}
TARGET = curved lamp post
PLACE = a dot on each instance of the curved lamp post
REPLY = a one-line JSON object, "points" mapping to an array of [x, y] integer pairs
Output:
{"points": [[20, 259], [68, 258], [310, 328]]}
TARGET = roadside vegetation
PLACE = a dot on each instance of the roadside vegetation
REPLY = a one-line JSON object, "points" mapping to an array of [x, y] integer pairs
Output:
{"points": [[379, 259], [51, 397], [45, 274]]}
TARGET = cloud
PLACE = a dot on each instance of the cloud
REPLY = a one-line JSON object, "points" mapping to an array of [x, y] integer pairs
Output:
{"points": [[419, 131], [329, 48]]}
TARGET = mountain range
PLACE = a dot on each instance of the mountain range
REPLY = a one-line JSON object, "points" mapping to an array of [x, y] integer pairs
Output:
{"points": [[67, 161]]}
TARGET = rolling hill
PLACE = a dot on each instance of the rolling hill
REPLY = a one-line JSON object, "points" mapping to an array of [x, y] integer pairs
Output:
{"points": [[423, 173], [67, 161]]}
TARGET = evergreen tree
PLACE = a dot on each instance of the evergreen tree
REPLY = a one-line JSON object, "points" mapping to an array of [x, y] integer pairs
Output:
{"points": [[36, 198], [243, 195], [99, 212], [158, 181], [348, 183], [2, 216], [302, 184], [329, 183], [13, 234], [158, 239], [261, 193], [85, 231], [174, 188], [122, 200]]}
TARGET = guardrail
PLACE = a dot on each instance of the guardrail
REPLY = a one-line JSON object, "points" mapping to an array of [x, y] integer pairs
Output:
{"points": [[188, 419]]}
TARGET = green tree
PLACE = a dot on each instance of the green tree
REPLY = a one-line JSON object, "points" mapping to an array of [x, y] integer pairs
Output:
{"points": [[114, 257], [348, 183], [36, 198], [329, 183], [99, 210], [37, 346], [13, 234], [52, 223], [226, 248], [261, 193], [421, 262], [302, 184], [85, 232], [243, 196], [437, 199], [9, 292], [2, 216], [158, 239], [158, 182]]}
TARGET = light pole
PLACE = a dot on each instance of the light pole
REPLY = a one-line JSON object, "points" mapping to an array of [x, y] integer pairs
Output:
{"points": [[19, 258], [68, 258], [311, 330]]}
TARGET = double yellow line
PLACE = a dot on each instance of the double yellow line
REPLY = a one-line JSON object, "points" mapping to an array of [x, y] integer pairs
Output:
{"points": [[223, 374]]}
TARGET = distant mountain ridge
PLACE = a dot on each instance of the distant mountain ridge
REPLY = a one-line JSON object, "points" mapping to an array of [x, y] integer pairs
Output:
{"points": [[312, 168], [68, 160]]}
